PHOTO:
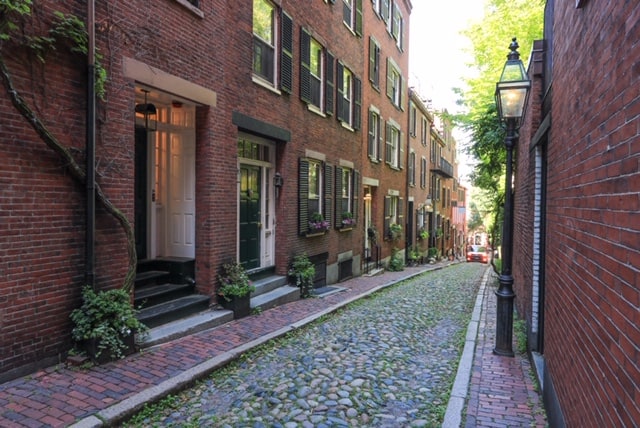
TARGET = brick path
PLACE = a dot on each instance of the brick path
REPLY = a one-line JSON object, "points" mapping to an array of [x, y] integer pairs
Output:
{"points": [[59, 396], [501, 390]]}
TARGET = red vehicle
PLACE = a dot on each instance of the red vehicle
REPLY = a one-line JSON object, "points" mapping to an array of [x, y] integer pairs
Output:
{"points": [[477, 253]]}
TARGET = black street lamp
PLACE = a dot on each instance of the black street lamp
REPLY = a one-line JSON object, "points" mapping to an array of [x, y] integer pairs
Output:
{"points": [[512, 92]]}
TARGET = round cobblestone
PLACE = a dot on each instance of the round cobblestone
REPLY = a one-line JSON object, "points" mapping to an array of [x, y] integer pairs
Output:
{"points": [[388, 360]]}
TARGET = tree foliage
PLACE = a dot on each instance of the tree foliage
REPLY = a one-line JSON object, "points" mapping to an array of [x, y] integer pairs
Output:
{"points": [[490, 39]]}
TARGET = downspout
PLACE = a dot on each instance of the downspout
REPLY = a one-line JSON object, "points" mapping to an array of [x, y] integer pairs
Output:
{"points": [[91, 149]]}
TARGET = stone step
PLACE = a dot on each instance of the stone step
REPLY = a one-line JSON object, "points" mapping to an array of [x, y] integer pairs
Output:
{"points": [[173, 310], [276, 297], [267, 284], [200, 321]]}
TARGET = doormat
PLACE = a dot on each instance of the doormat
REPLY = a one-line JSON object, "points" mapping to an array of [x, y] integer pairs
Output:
{"points": [[327, 291]]}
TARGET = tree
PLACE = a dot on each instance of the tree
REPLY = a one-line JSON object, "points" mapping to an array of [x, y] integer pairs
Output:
{"points": [[490, 38]]}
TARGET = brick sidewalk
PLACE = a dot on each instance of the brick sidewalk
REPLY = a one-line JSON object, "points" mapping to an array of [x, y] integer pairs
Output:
{"points": [[59, 396], [501, 390]]}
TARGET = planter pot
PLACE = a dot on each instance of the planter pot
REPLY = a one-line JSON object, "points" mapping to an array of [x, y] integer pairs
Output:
{"points": [[241, 306], [91, 347]]}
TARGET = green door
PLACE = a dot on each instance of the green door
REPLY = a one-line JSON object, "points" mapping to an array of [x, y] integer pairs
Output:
{"points": [[250, 216]]}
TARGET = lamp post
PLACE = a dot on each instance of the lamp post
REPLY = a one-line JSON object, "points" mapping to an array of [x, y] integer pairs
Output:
{"points": [[512, 92]]}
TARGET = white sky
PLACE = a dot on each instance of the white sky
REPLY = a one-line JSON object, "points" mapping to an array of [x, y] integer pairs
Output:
{"points": [[437, 58], [438, 55]]}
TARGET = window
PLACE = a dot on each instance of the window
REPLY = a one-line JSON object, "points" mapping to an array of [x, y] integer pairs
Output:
{"points": [[374, 62], [393, 146], [315, 179], [316, 74], [394, 83], [268, 58], [352, 15], [346, 197], [375, 136], [392, 213], [412, 169], [349, 89]]}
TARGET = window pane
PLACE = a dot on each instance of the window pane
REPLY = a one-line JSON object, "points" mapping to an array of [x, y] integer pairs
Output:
{"points": [[263, 20]]}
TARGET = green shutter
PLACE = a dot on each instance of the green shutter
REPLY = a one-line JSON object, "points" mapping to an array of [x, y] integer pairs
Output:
{"points": [[305, 66], [340, 113], [389, 80], [357, 103], [389, 147], [372, 60], [358, 6], [303, 197], [338, 199], [328, 93], [387, 216], [286, 56], [327, 208], [356, 194]]}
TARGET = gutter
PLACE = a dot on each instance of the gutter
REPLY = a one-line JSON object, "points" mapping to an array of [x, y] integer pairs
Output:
{"points": [[90, 150]]}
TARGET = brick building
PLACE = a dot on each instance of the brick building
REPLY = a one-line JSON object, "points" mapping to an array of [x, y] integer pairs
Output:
{"points": [[229, 139], [576, 254], [386, 40]]}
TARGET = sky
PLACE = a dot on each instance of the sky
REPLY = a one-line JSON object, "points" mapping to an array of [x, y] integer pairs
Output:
{"points": [[437, 59], [437, 56]]}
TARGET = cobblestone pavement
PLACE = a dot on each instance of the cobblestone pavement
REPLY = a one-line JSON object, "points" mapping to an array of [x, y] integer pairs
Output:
{"points": [[385, 361]]}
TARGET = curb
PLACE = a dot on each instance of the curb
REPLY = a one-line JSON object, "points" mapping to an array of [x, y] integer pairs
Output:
{"points": [[129, 406], [458, 397]]}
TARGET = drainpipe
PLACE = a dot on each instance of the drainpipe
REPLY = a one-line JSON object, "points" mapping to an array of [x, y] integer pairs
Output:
{"points": [[91, 149]]}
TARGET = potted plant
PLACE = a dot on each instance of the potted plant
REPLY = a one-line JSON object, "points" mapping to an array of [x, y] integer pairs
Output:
{"points": [[423, 234], [318, 224], [395, 232], [303, 273], [105, 324], [235, 289], [348, 220]]}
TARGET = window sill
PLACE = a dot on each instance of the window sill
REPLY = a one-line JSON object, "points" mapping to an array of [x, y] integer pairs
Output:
{"points": [[191, 8], [346, 229], [346, 126], [314, 109], [265, 84]]}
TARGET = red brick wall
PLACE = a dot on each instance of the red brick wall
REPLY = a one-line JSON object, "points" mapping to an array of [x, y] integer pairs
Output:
{"points": [[524, 188], [592, 257]]}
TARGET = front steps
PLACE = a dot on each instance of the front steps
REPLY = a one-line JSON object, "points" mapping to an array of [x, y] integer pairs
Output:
{"points": [[168, 304]]}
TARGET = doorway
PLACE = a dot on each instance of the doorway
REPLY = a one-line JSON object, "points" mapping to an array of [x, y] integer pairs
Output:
{"points": [[165, 185]]}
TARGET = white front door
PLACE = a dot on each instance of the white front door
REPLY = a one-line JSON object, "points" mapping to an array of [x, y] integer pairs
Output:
{"points": [[181, 198]]}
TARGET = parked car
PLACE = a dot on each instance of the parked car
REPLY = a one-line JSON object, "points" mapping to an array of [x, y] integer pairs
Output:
{"points": [[477, 253]]}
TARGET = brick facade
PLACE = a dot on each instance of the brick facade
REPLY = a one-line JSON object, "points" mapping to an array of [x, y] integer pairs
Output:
{"points": [[588, 142], [187, 58]]}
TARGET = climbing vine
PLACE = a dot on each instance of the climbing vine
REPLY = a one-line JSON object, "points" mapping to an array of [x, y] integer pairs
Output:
{"points": [[66, 30]]}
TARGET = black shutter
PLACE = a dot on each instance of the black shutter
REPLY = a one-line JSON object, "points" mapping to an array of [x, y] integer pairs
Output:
{"points": [[305, 66], [286, 56], [357, 103], [303, 197], [372, 141], [328, 93], [338, 197], [328, 192], [340, 113], [356, 194], [387, 216], [379, 139]]}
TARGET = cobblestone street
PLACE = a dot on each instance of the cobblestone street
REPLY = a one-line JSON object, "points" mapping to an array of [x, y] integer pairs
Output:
{"points": [[386, 360]]}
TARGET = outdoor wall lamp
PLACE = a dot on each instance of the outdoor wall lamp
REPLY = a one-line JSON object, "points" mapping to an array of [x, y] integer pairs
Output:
{"points": [[428, 204], [148, 112], [512, 92], [277, 183]]}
